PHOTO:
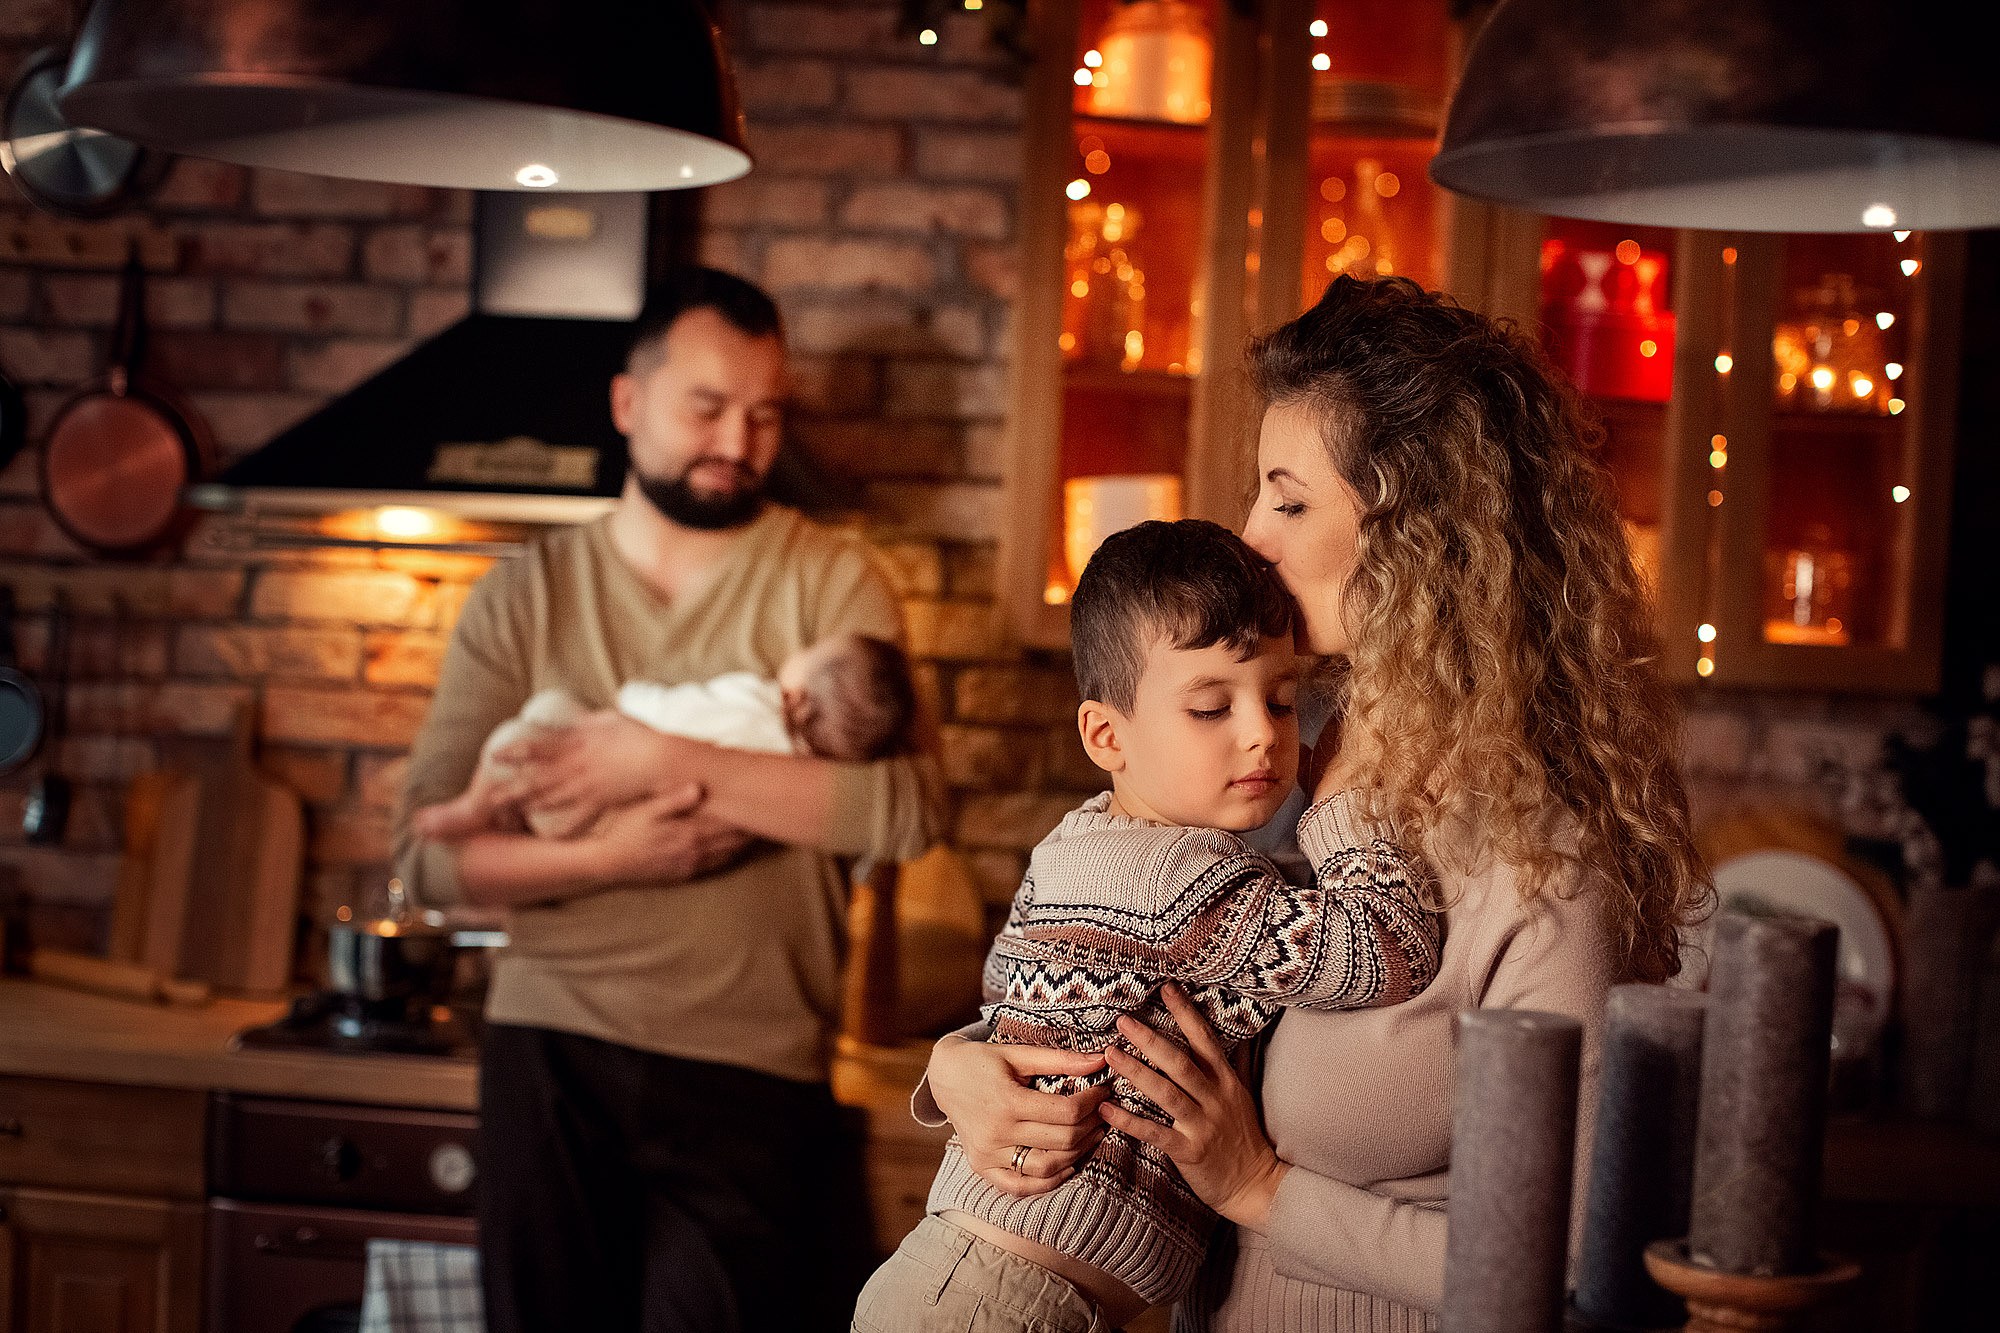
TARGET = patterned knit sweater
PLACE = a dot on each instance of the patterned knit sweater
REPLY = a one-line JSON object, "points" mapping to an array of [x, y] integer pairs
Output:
{"points": [[1113, 908]]}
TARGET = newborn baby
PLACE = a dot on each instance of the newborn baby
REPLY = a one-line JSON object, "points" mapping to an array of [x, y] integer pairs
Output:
{"points": [[846, 698]]}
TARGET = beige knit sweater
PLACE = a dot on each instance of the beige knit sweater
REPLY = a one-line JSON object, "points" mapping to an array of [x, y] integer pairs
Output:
{"points": [[1359, 1103]]}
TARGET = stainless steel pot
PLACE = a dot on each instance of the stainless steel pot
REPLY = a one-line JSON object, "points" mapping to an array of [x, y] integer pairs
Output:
{"points": [[394, 966]]}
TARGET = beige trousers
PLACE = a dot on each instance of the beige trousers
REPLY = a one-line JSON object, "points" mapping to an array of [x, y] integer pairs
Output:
{"points": [[944, 1279]]}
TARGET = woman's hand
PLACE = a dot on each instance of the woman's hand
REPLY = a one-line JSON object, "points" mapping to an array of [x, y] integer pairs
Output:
{"points": [[982, 1087], [605, 759], [1217, 1139]]}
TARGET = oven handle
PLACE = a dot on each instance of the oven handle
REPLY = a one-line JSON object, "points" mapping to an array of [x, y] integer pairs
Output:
{"points": [[308, 1243]]}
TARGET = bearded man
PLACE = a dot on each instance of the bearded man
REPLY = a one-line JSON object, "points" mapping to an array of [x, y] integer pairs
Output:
{"points": [[657, 1134]]}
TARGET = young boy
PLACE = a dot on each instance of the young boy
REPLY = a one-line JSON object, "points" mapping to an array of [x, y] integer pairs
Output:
{"points": [[1182, 638]]}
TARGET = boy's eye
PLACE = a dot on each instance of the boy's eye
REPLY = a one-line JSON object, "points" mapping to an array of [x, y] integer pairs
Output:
{"points": [[1209, 714], [1281, 709]]}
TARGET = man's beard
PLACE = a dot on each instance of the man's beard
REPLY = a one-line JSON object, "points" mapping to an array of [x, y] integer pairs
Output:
{"points": [[681, 503]]}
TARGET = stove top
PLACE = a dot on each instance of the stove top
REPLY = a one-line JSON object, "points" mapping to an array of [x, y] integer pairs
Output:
{"points": [[338, 1024]]}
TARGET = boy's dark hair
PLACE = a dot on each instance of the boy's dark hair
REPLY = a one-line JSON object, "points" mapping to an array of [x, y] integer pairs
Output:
{"points": [[1192, 583], [746, 306], [870, 677]]}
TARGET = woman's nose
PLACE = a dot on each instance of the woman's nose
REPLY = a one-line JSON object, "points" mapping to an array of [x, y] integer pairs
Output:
{"points": [[1254, 535]]}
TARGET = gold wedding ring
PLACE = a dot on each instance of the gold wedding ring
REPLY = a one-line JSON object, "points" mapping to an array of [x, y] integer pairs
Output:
{"points": [[1020, 1159]]}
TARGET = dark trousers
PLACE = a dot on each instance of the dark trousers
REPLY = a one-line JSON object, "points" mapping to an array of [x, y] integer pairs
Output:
{"points": [[622, 1190]]}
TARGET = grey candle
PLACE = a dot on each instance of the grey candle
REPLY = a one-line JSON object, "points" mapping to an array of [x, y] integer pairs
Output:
{"points": [[1763, 1095], [1513, 1140], [1642, 1157]]}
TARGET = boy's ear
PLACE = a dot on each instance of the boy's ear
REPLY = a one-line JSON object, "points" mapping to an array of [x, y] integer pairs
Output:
{"points": [[1097, 724]]}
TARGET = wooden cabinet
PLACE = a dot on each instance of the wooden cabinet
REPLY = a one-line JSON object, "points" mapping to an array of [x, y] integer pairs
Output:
{"points": [[1198, 169], [1779, 415], [93, 1263], [100, 1208]]}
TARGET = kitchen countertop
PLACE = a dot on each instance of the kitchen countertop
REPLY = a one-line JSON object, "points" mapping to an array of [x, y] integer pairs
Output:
{"points": [[54, 1032]]}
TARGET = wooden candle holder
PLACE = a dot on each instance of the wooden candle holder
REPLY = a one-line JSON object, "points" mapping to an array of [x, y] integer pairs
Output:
{"points": [[1721, 1302]]}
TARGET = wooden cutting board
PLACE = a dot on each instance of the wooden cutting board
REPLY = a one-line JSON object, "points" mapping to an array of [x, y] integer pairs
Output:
{"points": [[145, 800], [247, 850]]}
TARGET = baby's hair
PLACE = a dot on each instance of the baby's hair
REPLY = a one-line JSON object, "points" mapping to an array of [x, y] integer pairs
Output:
{"points": [[874, 701], [1193, 583]]}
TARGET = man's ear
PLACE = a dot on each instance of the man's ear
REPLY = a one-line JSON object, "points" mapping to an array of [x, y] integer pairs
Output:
{"points": [[1097, 723], [624, 388]]}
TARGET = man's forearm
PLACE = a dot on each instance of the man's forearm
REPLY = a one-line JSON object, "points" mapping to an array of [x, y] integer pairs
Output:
{"points": [[778, 797], [519, 869]]}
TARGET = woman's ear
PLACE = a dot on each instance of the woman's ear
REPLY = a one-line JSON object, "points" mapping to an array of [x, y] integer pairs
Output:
{"points": [[1097, 724]]}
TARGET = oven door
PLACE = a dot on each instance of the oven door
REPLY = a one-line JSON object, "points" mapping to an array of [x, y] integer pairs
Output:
{"points": [[279, 1269]]}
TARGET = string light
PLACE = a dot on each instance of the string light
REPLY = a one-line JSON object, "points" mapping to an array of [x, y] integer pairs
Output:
{"points": [[1899, 493], [1706, 633], [1647, 347], [1880, 217], [1318, 28], [1093, 58], [1883, 319], [1894, 370], [1322, 61], [1704, 667], [1723, 363], [928, 37], [1896, 406], [1078, 189], [1714, 499], [1910, 267], [1081, 78], [1902, 236], [1627, 252]]}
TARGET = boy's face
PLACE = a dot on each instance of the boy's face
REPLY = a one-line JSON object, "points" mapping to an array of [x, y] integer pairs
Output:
{"points": [[1211, 741]]}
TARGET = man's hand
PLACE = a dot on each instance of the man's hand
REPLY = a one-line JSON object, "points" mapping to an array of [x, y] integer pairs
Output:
{"points": [[602, 761], [663, 839]]}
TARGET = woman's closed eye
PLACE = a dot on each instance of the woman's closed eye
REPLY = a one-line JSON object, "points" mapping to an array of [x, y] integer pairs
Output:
{"points": [[1289, 508]]}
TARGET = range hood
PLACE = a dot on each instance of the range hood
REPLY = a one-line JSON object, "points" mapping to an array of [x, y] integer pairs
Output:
{"points": [[505, 415], [499, 417]]}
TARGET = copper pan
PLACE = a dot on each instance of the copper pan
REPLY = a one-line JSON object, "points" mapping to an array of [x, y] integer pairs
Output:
{"points": [[120, 452]]}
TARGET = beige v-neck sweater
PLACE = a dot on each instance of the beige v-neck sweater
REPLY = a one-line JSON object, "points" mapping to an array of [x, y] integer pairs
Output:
{"points": [[739, 967], [1359, 1103]]}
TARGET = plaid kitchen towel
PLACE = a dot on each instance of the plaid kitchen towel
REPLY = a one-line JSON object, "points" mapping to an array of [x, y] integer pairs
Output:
{"points": [[421, 1287]]}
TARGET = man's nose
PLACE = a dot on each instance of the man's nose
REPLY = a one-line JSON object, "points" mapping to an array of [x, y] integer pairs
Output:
{"points": [[732, 436]]}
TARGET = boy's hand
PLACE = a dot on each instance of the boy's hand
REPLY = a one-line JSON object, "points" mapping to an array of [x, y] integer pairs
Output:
{"points": [[604, 760]]}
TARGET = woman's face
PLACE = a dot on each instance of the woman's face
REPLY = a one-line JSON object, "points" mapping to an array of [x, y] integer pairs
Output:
{"points": [[1307, 522]]}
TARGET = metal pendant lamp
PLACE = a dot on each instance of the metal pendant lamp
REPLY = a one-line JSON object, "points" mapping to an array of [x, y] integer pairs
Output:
{"points": [[582, 95], [1733, 115]]}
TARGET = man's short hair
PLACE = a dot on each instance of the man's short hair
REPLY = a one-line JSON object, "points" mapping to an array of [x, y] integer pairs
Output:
{"points": [[1191, 583], [867, 699], [746, 306]]}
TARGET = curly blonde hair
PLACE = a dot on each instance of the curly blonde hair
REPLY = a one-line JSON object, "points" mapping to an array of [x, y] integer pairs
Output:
{"points": [[1504, 668]]}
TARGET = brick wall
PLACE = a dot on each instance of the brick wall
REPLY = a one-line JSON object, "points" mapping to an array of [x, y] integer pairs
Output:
{"points": [[882, 215]]}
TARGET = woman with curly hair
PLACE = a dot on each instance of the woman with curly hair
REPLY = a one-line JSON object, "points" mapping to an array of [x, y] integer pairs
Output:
{"points": [[1428, 492]]}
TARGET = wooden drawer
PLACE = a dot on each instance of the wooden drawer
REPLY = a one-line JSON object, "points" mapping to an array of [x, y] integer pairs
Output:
{"points": [[99, 1136]]}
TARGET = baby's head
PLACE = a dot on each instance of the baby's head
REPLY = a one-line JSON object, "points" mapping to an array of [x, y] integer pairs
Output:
{"points": [[849, 697], [1182, 637]]}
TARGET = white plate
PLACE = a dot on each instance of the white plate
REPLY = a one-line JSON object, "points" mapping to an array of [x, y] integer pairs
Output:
{"points": [[1805, 885]]}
